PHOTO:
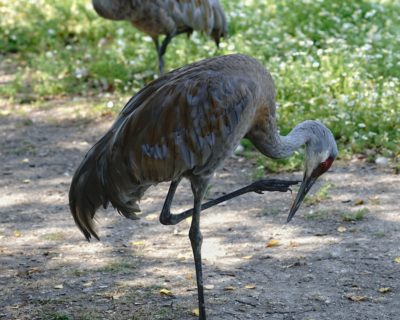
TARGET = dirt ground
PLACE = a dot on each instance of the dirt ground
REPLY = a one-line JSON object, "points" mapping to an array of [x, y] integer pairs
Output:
{"points": [[335, 260]]}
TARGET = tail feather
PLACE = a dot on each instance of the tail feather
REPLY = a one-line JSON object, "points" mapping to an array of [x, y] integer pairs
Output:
{"points": [[87, 193], [220, 28]]}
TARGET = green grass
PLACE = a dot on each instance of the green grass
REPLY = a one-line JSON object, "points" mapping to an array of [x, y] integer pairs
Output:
{"points": [[337, 61], [354, 216], [320, 195]]}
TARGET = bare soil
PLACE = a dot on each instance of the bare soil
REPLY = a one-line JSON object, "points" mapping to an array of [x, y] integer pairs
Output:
{"points": [[322, 265]]}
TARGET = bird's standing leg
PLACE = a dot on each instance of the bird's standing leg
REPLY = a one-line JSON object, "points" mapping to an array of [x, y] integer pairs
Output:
{"points": [[167, 218], [199, 187], [161, 51], [160, 58]]}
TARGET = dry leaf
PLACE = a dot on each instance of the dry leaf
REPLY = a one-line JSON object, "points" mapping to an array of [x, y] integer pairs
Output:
{"points": [[58, 286], [229, 288], [34, 270], [189, 276], [357, 298], [138, 243], [247, 257], [166, 292], [341, 229], [272, 243], [17, 233], [196, 312], [151, 217], [250, 286], [293, 244], [358, 202], [397, 260], [384, 289], [88, 284]]}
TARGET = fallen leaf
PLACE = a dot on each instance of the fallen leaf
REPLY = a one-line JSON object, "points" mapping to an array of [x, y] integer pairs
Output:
{"points": [[397, 260], [196, 312], [88, 284], [229, 288], [358, 202], [58, 286], [250, 286], [209, 286], [151, 217], [341, 229], [293, 244], [357, 298], [166, 292], [384, 290], [138, 243], [189, 276], [17, 233], [247, 257], [33, 270], [272, 243]]}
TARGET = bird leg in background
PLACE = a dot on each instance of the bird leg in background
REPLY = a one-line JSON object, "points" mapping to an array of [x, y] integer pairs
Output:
{"points": [[167, 218], [161, 51]]}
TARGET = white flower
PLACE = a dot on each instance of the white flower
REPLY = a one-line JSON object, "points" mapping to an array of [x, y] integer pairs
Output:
{"points": [[110, 104]]}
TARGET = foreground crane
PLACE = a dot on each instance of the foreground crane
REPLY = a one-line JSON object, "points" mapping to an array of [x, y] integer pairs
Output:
{"points": [[185, 124], [167, 17]]}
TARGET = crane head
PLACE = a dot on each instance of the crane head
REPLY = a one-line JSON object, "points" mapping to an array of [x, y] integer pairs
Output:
{"points": [[321, 151]]}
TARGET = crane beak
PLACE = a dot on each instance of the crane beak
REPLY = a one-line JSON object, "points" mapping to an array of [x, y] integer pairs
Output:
{"points": [[304, 188]]}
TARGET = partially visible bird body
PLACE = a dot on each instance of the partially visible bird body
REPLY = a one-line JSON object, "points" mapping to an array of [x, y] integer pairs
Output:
{"points": [[184, 124], [167, 17]]}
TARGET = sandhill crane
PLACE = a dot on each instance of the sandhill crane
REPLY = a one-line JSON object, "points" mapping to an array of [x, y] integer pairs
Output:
{"points": [[185, 124], [167, 17]]}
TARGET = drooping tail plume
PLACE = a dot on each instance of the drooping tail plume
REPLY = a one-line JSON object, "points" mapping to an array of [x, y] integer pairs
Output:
{"points": [[87, 192]]}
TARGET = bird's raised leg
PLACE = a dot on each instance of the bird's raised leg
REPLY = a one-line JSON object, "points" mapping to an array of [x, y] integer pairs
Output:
{"points": [[199, 187], [167, 218]]}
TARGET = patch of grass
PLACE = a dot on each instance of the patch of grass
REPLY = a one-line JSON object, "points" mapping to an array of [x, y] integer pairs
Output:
{"points": [[54, 236], [320, 195], [331, 60], [317, 214], [354, 216], [117, 267], [380, 234], [58, 316]]}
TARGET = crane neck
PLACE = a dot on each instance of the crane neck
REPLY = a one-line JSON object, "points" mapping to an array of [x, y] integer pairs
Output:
{"points": [[277, 146]]}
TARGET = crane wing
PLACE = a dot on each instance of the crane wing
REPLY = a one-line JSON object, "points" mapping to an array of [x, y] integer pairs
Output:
{"points": [[180, 125]]}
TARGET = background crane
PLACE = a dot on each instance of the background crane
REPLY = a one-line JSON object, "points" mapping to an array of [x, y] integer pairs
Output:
{"points": [[185, 124], [167, 17]]}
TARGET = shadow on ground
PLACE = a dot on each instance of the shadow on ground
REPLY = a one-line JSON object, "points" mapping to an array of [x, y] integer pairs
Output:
{"points": [[324, 266]]}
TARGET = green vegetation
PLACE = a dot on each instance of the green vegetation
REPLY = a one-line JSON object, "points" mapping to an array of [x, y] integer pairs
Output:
{"points": [[118, 266], [354, 216], [317, 214], [337, 61], [318, 196], [54, 236]]}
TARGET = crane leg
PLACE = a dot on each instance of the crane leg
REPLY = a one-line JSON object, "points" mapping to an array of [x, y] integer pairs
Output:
{"points": [[159, 55], [199, 187], [167, 218], [161, 51]]}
